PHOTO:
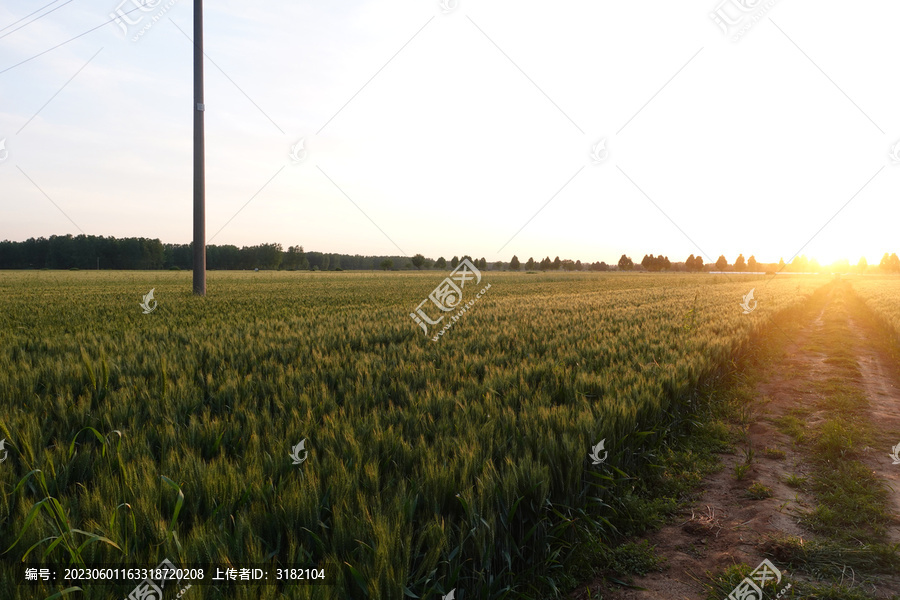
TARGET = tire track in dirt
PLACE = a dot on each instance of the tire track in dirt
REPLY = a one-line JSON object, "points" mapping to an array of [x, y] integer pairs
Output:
{"points": [[882, 388]]}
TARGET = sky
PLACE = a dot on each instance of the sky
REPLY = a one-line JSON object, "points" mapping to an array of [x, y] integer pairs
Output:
{"points": [[578, 129]]}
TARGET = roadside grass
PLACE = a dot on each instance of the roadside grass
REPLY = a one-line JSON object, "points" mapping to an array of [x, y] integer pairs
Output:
{"points": [[830, 559], [634, 558], [789, 588], [797, 481], [774, 453], [851, 504], [792, 426], [758, 491]]}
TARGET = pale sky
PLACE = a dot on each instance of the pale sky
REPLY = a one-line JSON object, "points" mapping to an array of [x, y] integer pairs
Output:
{"points": [[463, 128]]}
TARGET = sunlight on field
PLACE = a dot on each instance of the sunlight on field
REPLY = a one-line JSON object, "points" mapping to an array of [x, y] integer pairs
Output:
{"points": [[430, 466]]}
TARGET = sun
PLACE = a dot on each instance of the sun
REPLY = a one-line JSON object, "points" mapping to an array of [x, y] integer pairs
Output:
{"points": [[830, 247]]}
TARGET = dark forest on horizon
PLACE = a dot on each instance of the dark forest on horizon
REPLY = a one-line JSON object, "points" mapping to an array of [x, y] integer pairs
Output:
{"points": [[93, 252]]}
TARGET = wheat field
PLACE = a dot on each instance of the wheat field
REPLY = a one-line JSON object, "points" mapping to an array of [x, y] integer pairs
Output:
{"points": [[461, 464]]}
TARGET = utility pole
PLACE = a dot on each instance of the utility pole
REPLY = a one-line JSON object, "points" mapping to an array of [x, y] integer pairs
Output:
{"points": [[199, 167]]}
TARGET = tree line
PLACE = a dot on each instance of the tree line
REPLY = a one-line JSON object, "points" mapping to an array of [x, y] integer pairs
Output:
{"points": [[890, 263], [92, 252]]}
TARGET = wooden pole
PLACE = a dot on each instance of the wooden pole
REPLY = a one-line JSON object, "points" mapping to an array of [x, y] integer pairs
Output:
{"points": [[199, 166]]}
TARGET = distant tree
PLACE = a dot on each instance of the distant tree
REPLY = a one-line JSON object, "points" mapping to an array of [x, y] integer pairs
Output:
{"points": [[482, 263], [514, 263], [603, 266], [721, 263], [625, 263], [656, 263], [781, 264], [752, 265], [269, 256], [862, 265], [454, 262], [498, 266], [890, 263], [689, 264], [529, 266], [740, 264], [418, 260], [579, 266], [387, 264], [568, 265], [546, 264], [293, 258], [556, 264], [440, 263], [800, 264]]}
